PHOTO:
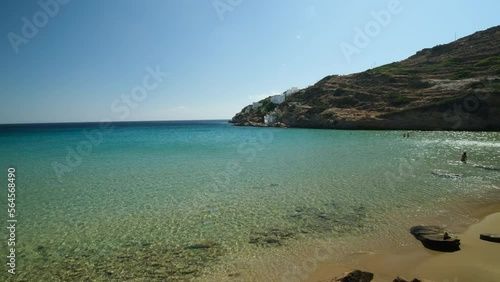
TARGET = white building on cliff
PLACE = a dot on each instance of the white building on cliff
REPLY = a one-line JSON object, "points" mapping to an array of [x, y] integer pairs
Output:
{"points": [[270, 118], [256, 105], [278, 99]]}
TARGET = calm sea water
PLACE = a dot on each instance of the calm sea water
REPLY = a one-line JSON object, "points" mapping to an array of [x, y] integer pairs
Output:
{"points": [[197, 200]]}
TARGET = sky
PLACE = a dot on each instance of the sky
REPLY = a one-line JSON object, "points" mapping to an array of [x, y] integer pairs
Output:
{"points": [[128, 60]]}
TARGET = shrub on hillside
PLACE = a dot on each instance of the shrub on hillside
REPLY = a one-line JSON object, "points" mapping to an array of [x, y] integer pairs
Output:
{"points": [[397, 100], [345, 101]]}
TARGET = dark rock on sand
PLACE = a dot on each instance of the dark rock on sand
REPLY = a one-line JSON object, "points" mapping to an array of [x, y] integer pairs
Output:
{"points": [[401, 279], [436, 238], [354, 276], [490, 237]]}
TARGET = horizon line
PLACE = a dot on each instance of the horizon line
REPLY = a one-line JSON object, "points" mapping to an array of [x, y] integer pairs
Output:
{"points": [[120, 121]]}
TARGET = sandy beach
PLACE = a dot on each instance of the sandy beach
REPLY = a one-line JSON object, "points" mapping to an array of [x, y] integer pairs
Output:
{"points": [[477, 260]]}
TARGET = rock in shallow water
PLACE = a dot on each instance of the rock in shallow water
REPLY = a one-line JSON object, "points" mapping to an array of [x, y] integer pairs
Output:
{"points": [[436, 238], [202, 245], [272, 237], [446, 174]]}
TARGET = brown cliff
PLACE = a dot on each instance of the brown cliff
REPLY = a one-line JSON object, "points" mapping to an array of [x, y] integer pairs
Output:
{"points": [[454, 86]]}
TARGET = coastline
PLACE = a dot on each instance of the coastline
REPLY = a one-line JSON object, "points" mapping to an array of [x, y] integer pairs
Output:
{"points": [[401, 255], [476, 261]]}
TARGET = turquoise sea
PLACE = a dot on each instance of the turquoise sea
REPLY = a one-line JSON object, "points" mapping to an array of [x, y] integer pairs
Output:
{"points": [[207, 201]]}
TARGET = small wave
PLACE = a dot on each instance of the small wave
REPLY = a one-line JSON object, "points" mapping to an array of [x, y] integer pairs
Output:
{"points": [[465, 143], [477, 143], [362, 253], [487, 167]]}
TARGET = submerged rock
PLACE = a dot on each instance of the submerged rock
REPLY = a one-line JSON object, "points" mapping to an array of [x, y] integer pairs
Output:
{"points": [[271, 237], [146, 261], [202, 245], [436, 238], [446, 174], [329, 217]]}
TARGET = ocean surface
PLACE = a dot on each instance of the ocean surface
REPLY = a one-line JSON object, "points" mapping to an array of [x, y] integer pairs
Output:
{"points": [[207, 201]]}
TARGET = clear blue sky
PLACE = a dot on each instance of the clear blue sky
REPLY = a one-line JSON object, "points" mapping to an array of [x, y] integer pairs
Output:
{"points": [[219, 55]]}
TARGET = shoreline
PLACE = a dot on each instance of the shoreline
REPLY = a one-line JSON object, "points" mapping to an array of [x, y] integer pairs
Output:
{"points": [[322, 260], [476, 261], [361, 128]]}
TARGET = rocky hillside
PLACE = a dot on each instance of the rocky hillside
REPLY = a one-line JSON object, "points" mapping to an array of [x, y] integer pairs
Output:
{"points": [[454, 86]]}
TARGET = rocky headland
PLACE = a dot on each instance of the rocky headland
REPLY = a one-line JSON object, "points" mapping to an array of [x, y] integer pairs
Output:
{"points": [[454, 86]]}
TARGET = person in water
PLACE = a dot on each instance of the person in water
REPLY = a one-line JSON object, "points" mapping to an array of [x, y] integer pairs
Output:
{"points": [[464, 157]]}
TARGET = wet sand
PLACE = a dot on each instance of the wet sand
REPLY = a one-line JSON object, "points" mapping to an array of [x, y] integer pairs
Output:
{"points": [[477, 260]]}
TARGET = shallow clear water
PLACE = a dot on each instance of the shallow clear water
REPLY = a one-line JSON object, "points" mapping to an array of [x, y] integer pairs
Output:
{"points": [[129, 205]]}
